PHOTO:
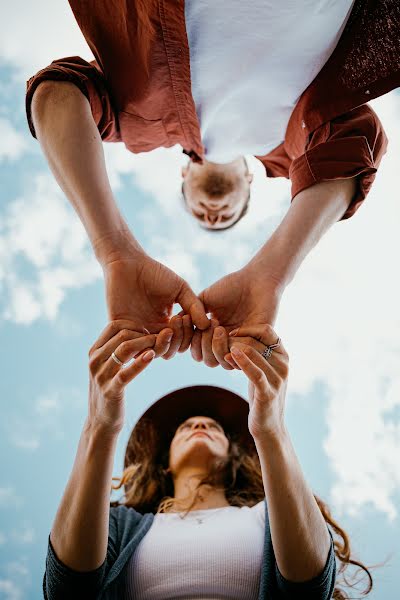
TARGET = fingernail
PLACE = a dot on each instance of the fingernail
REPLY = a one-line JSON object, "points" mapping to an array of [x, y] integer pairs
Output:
{"points": [[236, 351], [146, 330], [234, 331], [149, 355], [169, 337], [219, 332]]}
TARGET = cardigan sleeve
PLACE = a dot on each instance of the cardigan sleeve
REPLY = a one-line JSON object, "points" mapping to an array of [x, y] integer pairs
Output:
{"points": [[88, 77], [320, 587], [351, 145], [60, 582]]}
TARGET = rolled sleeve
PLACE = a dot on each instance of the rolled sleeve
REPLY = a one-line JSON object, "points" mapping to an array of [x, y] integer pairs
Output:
{"points": [[318, 588], [351, 145], [91, 82]]}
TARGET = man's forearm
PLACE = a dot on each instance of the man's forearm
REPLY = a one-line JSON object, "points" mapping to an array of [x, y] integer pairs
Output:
{"points": [[72, 145], [311, 213], [299, 534]]}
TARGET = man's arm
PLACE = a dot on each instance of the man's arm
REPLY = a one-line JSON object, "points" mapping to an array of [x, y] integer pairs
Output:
{"points": [[251, 295], [312, 212], [138, 288], [73, 148]]}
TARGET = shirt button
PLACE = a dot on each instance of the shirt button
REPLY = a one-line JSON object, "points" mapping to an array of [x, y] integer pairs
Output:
{"points": [[367, 92]]}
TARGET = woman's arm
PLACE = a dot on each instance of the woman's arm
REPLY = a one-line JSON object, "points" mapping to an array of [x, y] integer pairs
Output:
{"points": [[298, 530], [80, 531], [299, 533]]}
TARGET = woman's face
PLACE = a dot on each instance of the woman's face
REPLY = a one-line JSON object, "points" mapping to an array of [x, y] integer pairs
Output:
{"points": [[196, 443]]}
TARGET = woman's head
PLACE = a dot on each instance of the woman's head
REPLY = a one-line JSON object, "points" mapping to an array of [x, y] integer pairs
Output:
{"points": [[149, 479]]}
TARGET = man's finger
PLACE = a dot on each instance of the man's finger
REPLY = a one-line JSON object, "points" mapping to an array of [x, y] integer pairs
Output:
{"points": [[163, 340], [220, 347], [193, 305], [206, 345], [188, 332], [176, 325], [195, 346]]}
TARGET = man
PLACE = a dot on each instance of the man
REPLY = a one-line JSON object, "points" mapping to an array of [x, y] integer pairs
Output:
{"points": [[222, 83]]}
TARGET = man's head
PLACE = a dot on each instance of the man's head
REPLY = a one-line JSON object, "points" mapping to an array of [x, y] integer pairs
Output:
{"points": [[216, 194]]}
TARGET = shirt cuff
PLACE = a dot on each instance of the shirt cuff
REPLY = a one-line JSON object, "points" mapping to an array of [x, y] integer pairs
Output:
{"points": [[336, 159]]}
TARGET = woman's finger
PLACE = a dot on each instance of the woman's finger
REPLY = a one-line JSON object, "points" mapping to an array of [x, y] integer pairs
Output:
{"points": [[102, 354], [220, 347], [176, 325], [263, 333], [111, 330], [124, 376], [206, 345], [248, 341], [195, 346], [124, 352], [253, 372], [273, 372], [188, 331]]}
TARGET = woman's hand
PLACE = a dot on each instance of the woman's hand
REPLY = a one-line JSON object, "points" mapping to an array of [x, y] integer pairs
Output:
{"points": [[107, 379], [267, 379]]}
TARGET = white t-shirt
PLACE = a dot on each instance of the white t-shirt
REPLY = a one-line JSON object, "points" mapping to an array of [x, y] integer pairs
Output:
{"points": [[251, 61], [219, 559]]}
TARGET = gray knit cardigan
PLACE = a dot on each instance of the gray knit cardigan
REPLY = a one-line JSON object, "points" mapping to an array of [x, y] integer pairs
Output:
{"points": [[127, 528]]}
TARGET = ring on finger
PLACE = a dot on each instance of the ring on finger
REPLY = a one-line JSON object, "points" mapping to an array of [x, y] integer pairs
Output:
{"points": [[269, 349], [116, 359]]}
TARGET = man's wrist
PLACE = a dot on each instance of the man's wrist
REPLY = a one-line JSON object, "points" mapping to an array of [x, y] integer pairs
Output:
{"points": [[116, 245]]}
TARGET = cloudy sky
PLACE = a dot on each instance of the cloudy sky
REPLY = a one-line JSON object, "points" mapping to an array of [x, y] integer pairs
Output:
{"points": [[339, 320]]}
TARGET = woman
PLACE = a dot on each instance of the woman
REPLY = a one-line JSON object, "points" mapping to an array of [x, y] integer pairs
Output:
{"points": [[199, 453]]}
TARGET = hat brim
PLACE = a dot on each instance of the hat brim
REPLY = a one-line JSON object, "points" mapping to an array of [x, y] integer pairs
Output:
{"points": [[221, 404]]}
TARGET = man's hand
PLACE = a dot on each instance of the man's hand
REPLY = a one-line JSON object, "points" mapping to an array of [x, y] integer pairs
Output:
{"points": [[144, 291], [243, 298]]}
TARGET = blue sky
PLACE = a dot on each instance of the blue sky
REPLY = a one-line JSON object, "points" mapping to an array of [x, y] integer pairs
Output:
{"points": [[339, 320]]}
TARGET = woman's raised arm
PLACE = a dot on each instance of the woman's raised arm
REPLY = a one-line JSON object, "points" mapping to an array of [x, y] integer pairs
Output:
{"points": [[80, 531]]}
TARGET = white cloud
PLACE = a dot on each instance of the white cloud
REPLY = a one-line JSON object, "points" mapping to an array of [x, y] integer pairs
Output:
{"points": [[24, 535], [341, 324], [12, 142], [9, 590], [44, 420], [9, 497], [44, 252], [62, 38]]}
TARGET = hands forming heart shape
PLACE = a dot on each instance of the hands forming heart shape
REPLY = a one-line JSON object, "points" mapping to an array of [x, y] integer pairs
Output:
{"points": [[144, 291]]}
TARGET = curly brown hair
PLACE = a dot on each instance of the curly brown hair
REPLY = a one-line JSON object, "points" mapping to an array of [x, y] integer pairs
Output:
{"points": [[149, 488]]}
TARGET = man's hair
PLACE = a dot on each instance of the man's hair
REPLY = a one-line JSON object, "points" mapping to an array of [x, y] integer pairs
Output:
{"points": [[217, 186]]}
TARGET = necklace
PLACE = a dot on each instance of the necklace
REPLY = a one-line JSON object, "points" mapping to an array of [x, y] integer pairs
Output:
{"points": [[201, 519]]}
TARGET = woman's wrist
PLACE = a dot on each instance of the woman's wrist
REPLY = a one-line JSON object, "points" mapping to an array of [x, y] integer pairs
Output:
{"points": [[100, 434]]}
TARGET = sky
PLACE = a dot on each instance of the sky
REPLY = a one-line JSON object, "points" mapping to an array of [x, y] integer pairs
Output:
{"points": [[339, 320]]}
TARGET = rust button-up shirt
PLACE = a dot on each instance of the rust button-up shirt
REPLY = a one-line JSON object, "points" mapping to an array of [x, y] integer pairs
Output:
{"points": [[139, 89]]}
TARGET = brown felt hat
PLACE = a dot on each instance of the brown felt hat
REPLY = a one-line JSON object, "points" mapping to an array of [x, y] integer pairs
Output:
{"points": [[221, 404]]}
